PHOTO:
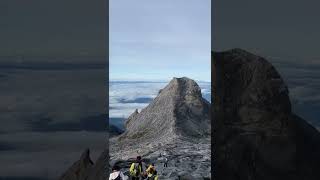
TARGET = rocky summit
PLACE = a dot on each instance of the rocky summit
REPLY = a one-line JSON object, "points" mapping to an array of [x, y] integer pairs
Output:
{"points": [[256, 135]]}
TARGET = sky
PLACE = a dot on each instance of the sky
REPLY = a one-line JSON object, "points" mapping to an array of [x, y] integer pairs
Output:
{"points": [[282, 29], [158, 40]]}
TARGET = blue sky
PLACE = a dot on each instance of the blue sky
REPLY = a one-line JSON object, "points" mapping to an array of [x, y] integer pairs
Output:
{"points": [[158, 40]]}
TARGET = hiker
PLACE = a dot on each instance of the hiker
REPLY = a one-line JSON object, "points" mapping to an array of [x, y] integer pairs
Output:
{"points": [[152, 173], [165, 162], [150, 169], [117, 174], [153, 176], [136, 170]]}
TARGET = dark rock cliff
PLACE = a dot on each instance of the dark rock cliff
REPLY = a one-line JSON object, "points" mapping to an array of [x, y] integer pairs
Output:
{"points": [[80, 169], [85, 169], [256, 134]]}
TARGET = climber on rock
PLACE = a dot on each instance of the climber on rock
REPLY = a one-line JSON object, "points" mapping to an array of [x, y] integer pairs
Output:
{"points": [[136, 170], [165, 162], [152, 173]]}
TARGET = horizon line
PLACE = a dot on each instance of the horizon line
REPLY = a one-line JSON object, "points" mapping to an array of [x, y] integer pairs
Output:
{"points": [[151, 80]]}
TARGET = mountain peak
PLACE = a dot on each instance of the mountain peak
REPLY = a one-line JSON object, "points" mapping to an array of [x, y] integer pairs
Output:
{"points": [[178, 110], [182, 87], [85, 154], [80, 169]]}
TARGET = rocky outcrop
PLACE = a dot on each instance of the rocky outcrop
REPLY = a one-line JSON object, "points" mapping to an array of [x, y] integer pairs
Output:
{"points": [[81, 169], [85, 169], [100, 170], [256, 134]]}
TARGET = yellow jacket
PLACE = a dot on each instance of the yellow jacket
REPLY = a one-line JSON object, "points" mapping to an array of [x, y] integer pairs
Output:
{"points": [[150, 169], [150, 172], [153, 177], [135, 170]]}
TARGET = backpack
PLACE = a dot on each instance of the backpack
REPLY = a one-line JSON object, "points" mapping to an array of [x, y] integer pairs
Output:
{"points": [[135, 169]]}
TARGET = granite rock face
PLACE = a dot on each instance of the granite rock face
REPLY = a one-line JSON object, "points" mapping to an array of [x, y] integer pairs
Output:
{"points": [[256, 134]]}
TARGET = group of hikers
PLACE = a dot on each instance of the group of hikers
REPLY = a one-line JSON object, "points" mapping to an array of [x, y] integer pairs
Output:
{"points": [[136, 171]]}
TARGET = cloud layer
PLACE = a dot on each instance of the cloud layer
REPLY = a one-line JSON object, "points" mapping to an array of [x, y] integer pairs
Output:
{"points": [[48, 117], [302, 78]]}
